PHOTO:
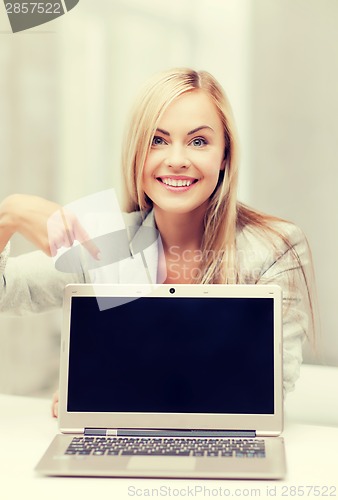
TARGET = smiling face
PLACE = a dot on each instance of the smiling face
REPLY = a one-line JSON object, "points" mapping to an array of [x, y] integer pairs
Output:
{"points": [[186, 156]]}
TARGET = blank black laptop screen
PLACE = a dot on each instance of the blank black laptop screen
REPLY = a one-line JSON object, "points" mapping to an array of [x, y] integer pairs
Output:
{"points": [[172, 355]]}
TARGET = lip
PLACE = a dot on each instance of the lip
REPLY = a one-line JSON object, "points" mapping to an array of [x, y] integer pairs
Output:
{"points": [[177, 189]]}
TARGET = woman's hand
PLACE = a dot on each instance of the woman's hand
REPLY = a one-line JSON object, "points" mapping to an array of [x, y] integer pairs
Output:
{"points": [[45, 223], [55, 404]]}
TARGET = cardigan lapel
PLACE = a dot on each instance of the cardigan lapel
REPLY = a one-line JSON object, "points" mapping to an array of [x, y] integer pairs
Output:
{"points": [[141, 266]]}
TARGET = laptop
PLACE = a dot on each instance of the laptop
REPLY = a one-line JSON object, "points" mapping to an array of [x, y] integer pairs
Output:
{"points": [[179, 381]]}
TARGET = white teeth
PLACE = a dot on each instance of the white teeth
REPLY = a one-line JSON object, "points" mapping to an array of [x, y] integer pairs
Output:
{"points": [[176, 183]]}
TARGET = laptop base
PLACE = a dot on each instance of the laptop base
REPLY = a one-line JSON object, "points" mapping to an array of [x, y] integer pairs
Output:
{"points": [[56, 463]]}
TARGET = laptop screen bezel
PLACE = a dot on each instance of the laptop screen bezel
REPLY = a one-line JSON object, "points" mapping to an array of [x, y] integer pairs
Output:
{"points": [[262, 424]]}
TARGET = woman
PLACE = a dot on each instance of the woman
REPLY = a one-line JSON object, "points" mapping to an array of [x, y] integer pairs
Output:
{"points": [[180, 167]]}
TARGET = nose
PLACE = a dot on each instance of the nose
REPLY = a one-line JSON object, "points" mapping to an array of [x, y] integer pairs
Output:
{"points": [[177, 158]]}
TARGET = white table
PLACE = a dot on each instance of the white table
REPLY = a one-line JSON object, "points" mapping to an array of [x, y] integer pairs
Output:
{"points": [[26, 428]]}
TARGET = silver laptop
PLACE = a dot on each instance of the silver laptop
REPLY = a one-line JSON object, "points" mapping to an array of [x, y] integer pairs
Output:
{"points": [[179, 381]]}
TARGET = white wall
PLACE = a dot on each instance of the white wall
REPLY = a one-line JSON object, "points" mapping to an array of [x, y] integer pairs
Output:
{"points": [[106, 54], [294, 134]]}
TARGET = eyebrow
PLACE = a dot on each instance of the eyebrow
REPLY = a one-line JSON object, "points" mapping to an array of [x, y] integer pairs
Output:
{"points": [[164, 132]]}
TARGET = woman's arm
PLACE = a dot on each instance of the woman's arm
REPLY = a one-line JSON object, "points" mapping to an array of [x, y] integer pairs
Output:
{"points": [[27, 215], [30, 282], [292, 270], [42, 222]]}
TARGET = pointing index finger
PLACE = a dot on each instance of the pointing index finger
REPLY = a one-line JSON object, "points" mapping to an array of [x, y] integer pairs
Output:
{"points": [[83, 237]]}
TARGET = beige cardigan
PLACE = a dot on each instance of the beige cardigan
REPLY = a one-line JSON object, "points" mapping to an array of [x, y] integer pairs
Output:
{"points": [[30, 283]]}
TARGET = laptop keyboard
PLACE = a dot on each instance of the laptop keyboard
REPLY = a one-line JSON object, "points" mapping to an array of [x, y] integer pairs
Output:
{"points": [[199, 447]]}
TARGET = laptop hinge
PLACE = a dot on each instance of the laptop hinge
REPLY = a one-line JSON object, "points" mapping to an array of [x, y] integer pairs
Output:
{"points": [[100, 432], [169, 433]]}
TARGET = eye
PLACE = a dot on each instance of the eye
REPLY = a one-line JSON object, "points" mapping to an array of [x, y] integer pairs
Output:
{"points": [[158, 141], [198, 142]]}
